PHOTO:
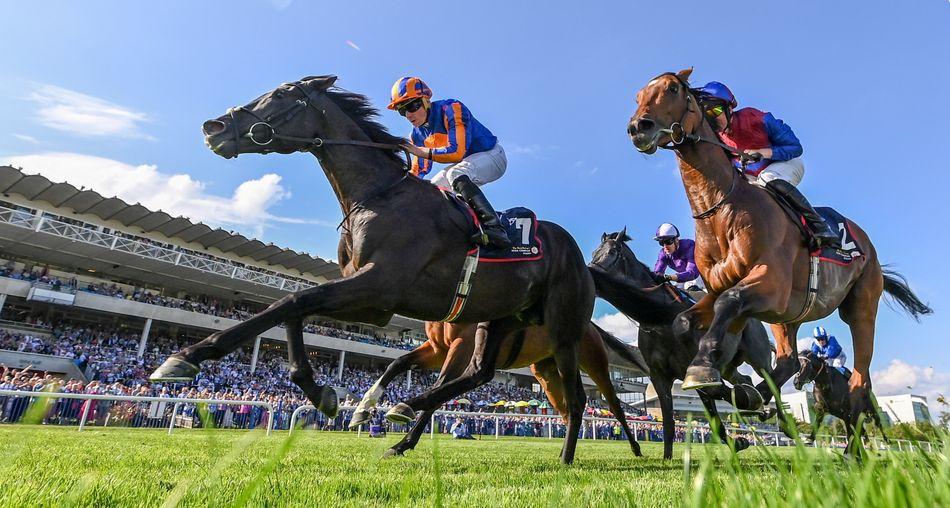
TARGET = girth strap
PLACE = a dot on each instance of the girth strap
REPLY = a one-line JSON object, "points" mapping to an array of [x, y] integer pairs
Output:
{"points": [[812, 295], [464, 286]]}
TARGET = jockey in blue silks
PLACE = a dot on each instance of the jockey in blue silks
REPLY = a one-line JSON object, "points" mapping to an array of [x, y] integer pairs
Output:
{"points": [[827, 348], [780, 169]]}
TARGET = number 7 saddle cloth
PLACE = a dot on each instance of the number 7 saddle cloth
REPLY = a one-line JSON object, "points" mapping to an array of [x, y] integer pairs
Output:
{"points": [[520, 223]]}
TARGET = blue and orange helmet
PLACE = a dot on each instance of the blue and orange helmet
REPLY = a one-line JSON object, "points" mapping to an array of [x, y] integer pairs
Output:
{"points": [[409, 88], [717, 90]]}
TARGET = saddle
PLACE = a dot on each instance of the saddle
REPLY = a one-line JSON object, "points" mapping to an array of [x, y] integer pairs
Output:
{"points": [[849, 250], [521, 225]]}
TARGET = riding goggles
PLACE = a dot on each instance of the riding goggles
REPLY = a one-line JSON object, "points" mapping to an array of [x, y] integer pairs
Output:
{"points": [[667, 241], [409, 107], [715, 111]]}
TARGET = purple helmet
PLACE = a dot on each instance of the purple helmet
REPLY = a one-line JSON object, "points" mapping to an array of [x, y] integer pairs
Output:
{"points": [[717, 90]]}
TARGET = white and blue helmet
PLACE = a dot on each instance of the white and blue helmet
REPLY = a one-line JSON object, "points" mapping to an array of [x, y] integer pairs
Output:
{"points": [[666, 230], [820, 333]]}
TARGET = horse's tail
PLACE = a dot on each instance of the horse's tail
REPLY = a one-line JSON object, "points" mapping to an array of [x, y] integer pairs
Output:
{"points": [[895, 285], [625, 351]]}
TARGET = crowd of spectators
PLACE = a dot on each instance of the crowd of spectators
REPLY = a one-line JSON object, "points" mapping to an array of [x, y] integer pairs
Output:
{"points": [[110, 360], [199, 304]]}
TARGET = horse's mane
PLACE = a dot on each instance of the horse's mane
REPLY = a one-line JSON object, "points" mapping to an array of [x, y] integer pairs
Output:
{"points": [[359, 109]]}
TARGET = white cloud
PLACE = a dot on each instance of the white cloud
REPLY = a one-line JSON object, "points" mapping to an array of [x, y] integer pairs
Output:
{"points": [[246, 210], [619, 325], [28, 139], [85, 115], [900, 377]]}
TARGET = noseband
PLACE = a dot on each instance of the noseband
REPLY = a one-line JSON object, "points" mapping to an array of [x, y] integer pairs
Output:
{"points": [[263, 132]]}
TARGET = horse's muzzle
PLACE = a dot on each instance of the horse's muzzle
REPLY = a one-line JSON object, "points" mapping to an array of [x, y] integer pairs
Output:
{"points": [[644, 133]]}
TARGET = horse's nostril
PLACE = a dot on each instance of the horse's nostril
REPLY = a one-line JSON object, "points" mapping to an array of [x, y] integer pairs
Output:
{"points": [[632, 129], [644, 124], [212, 127]]}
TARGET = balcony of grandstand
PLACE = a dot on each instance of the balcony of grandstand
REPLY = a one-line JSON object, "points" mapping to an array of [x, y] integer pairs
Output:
{"points": [[143, 284]]}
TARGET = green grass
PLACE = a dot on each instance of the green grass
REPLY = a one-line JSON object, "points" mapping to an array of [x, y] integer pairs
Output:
{"points": [[43, 466]]}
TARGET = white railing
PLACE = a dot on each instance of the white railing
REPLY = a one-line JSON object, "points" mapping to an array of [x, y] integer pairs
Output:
{"points": [[178, 403], [111, 241], [588, 430]]}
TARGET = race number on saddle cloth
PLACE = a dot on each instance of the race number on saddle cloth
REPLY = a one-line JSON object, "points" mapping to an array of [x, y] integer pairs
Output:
{"points": [[849, 250], [521, 226]]}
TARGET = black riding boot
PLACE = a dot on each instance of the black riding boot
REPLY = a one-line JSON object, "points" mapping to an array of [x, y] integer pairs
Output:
{"points": [[819, 228], [495, 234]]}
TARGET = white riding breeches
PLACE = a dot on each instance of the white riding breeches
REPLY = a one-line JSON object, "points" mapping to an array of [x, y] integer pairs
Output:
{"points": [[481, 167], [792, 171], [838, 361]]}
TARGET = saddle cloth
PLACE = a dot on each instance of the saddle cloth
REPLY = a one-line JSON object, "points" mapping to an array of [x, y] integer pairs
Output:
{"points": [[849, 250], [520, 223]]}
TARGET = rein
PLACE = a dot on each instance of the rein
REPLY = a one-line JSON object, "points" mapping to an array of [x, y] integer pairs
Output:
{"points": [[679, 137], [269, 134]]}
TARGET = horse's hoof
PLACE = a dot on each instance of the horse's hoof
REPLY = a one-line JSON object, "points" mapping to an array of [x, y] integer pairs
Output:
{"points": [[701, 377], [742, 443], [636, 449], [329, 402], [360, 417], [754, 403], [392, 452], [401, 413], [174, 369]]}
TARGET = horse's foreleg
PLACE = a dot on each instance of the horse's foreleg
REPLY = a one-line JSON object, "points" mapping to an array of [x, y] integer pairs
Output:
{"points": [[455, 364], [480, 370], [859, 311], [301, 372], [425, 356], [361, 290]]}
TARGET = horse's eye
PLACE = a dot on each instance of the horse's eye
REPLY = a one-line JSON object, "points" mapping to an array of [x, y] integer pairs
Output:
{"points": [[673, 89], [279, 94]]}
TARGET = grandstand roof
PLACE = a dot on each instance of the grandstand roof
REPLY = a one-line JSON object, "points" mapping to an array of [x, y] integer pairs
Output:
{"points": [[87, 201]]}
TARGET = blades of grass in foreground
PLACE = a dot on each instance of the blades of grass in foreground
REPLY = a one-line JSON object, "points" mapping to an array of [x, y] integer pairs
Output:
{"points": [[268, 468], [176, 495]]}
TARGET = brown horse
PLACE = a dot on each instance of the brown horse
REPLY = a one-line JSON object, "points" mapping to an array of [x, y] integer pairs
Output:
{"points": [[751, 255], [449, 348]]}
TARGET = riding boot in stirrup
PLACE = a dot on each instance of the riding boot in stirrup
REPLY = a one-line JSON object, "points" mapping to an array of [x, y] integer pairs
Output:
{"points": [[819, 228], [494, 233]]}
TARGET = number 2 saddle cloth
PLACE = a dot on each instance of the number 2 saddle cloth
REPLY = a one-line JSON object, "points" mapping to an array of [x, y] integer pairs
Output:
{"points": [[850, 250]]}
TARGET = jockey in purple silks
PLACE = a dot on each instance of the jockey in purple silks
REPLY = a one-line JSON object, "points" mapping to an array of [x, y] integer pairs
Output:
{"points": [[677, 254]]}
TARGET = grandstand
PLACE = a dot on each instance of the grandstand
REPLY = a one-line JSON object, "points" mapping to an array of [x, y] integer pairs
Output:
{"points": [[99, 290]]}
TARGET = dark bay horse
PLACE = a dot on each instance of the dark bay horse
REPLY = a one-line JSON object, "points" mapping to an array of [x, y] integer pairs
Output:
{"points": [[752, 256], [402, 249], [619, 277], [449, 349], [832, 394]]}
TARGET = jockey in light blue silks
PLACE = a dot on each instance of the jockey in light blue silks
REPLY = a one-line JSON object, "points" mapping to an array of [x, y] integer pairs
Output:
{"points": [[827, 348]]}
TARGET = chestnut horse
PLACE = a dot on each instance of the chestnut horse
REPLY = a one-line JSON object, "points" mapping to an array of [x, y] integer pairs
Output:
{"points": [[752, 256], [450, 348]]}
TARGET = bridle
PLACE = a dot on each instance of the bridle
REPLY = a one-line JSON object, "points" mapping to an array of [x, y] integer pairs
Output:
{"points": [[625, 270], [263, 132], [679, 137], [269, 134]]}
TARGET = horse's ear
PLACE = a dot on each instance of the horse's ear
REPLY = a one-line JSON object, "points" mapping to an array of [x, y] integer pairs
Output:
{"points": [[321, 82], [603, 238], [684, 74]]}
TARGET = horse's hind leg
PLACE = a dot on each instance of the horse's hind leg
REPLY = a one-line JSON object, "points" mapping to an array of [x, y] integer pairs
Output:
{"points": [[359, 291], [301, 372], [593, 361], [709, 403], [859, 311], [546, 373]]}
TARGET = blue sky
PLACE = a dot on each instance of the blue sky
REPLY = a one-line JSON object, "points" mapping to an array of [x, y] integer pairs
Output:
{"points": [[112, 95]]}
